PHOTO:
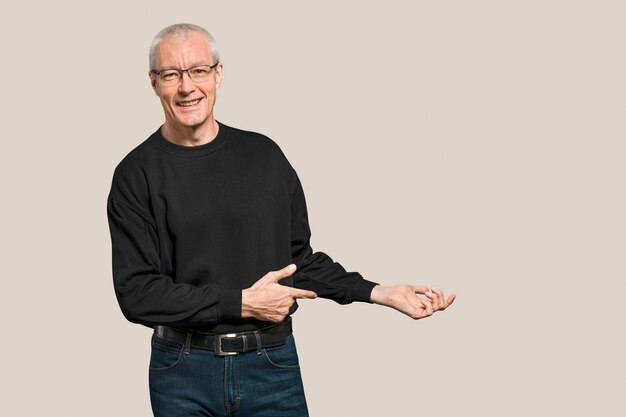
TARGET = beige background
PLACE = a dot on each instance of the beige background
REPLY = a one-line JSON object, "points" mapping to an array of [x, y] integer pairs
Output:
{"points": [[476, 146]]}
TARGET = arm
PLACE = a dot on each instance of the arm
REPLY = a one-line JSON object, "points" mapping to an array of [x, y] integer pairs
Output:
{"points": [[145, 294], [316, 270]]}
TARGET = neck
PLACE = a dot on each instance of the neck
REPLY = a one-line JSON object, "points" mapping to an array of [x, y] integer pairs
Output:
{"points": [[191, 135]]}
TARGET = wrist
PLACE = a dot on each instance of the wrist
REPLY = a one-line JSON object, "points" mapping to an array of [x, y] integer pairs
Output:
{"points": [[379, 295], [246, 309]]}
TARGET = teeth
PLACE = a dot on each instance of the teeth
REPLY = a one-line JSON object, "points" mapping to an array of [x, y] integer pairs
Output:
{"points": [[188, 103]]}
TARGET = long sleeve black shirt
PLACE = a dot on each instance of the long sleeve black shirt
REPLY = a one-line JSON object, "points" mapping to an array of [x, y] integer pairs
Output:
{"points": [[191, 226]]}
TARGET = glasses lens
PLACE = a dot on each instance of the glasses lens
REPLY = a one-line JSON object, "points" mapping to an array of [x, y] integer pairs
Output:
{"points": [[170, 76], [200, 73]]}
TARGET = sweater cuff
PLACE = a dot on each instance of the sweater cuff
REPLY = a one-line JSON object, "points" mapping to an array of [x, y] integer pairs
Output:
{"points": [[362, 291], [230, 304]]}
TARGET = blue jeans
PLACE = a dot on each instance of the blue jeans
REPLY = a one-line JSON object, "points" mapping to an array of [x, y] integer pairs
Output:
{"points": [[189, 381]]}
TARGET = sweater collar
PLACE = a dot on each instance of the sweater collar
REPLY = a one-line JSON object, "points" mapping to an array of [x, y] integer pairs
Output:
{"points": [[190, 151]]}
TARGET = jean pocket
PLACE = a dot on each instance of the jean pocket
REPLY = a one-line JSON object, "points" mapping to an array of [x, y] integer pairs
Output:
{"points": [[284, 356], [165, 354]]}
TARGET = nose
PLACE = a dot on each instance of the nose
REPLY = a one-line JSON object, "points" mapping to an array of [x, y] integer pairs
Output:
{"points": [[186, 86]]}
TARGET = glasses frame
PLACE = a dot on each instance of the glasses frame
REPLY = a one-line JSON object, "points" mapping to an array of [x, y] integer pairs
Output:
{"points": [[181, 72]]}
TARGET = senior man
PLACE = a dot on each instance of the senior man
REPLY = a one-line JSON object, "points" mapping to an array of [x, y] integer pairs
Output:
{"points": [[210, 244]]}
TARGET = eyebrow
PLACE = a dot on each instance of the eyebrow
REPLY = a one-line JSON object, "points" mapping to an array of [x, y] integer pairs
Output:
{"points": [[194, 65]]}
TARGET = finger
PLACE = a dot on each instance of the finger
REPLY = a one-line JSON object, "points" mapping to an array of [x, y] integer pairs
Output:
{"points": [[428, 306], [420, 289], [440, 299], [450, 300], [431, 296], [418, 313], [434, 299], [297, 293], [283, 273]]}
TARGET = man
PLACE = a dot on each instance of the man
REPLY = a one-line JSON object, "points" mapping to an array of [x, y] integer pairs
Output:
{"points": [[210, 243]]}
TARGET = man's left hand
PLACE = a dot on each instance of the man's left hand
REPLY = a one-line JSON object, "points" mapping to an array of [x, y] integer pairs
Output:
{"points": [[405, 299]]}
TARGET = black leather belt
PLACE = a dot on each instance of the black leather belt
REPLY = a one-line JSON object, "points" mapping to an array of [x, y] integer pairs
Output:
{"points": [[231, 343]]}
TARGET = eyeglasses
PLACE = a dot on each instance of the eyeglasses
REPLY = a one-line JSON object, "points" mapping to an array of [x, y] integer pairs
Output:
{"points": [[173, 76]]}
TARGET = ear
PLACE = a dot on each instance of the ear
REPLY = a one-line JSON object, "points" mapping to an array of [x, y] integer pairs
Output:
{"points": [[219, 72], [153, 82]]}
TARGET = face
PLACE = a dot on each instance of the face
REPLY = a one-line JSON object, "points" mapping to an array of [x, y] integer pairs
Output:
{"points": [[187, 104]]}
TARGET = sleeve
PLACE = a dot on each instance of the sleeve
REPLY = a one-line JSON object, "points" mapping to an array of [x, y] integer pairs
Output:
{"points": [[316, 270], [146, 295]]}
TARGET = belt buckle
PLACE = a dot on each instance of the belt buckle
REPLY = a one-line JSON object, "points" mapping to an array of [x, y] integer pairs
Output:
{"points": [[218, 344]]}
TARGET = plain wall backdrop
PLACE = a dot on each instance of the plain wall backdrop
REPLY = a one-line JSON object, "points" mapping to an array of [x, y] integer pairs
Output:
{"points": [[474, 146]]}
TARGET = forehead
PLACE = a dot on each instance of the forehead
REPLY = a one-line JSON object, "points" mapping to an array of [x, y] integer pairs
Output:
{"points": [[183, 51]]}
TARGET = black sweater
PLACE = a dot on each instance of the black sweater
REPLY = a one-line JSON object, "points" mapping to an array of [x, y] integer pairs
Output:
{"points": [[191, 226]]}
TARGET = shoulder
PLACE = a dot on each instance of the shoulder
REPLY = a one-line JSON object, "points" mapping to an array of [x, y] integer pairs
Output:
{"points": [[260, 146], [129, 176], [257, 145], [140, 157], [253, 139]]}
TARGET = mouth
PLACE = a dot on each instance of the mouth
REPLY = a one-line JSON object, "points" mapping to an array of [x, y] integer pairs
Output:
{"points": [[188, 103]]}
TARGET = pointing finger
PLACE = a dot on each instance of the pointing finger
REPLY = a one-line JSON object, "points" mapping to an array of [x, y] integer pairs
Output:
{"points": [[297, 293]]}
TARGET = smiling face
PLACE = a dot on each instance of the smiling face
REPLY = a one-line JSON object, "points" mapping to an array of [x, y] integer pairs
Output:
{"points": [[188, 106]]}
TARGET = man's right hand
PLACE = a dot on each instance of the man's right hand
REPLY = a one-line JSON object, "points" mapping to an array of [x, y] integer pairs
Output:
{"points": [[267, 300]]}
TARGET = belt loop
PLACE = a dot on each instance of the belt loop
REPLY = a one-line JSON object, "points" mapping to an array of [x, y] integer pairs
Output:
{"points": [[244, 339], [188, 344], [257, 336]]}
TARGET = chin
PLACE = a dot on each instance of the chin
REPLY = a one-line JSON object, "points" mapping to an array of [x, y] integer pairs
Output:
{"points": [[192, 121]]}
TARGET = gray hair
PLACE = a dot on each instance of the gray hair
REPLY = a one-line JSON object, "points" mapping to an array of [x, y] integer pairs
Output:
{"points": [[179, 31]]}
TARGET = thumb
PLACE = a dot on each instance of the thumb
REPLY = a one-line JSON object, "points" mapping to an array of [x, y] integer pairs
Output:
{"points": [[284, 273]]}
